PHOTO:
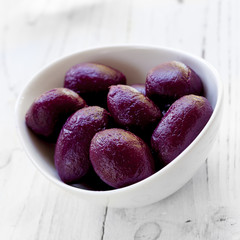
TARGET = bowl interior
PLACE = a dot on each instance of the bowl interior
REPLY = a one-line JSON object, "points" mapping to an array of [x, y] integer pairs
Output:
{"points": [[133, 61]]}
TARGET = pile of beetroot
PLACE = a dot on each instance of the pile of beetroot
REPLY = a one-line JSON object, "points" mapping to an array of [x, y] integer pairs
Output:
{"points": [[122, 133]]}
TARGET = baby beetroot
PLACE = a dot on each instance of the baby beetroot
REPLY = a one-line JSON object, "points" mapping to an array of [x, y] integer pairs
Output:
{"points": [[181, 124], [169, 81], [92, 80], [120, 158], [49, 112], [131, 109], [72, 149], [101, 150]]}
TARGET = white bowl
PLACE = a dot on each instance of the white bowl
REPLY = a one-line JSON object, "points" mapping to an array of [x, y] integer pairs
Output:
{"points": [[134, 62]]}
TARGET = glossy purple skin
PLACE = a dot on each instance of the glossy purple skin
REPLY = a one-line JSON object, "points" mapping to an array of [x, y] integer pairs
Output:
{"points": [[72, 148], [131, 109], [120, 158], [182, 123], [169, 81], [92, 77], [140, 87], [49, 111]]}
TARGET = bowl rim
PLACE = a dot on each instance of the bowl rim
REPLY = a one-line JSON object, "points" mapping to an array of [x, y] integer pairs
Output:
{"points": [[158, 174]]}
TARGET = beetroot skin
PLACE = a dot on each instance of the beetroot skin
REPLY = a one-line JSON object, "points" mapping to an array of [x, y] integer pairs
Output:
{"points": [[72, 149], [120, 158], [181, 124], [92, 80], [140, 87], [49, 112], [131, 109], [169, 81]]}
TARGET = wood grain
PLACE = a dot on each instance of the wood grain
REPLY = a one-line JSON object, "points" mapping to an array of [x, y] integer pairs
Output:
{"points": [[34, 33]]}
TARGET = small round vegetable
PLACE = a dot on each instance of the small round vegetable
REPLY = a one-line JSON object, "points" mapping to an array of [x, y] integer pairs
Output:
{"points": [[140, 87], [131, 109], [92, 80], [181, 124], [72, 148], [49, 111], [169, 81], [120, 158]]}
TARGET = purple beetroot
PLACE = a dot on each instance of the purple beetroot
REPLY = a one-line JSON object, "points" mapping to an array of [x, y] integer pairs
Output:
{"points": [[49, 111], [181, 124], [131, 109], [169, 81], [92, 80], [72, 149], [120, 158]]}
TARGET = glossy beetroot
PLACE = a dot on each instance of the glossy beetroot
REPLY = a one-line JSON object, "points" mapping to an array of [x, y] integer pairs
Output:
{"points": [[120, 158], [131, 109], [72, 148], [184, 120], [49, 111], [169, 81], [92, 80]]}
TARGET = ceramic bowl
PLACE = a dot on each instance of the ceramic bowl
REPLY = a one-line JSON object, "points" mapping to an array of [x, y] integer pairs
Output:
{"points": [[134, 62]]}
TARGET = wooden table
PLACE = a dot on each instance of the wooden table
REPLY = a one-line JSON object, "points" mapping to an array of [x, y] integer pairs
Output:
{"points": [[34, 33]]}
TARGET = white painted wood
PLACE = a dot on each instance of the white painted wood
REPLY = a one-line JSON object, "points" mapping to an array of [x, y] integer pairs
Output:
{"points": [[34, 33]]}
